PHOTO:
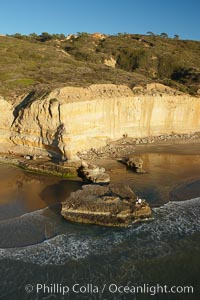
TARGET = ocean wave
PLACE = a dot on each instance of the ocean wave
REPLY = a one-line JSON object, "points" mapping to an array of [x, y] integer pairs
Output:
{"points": [[172, 222]]}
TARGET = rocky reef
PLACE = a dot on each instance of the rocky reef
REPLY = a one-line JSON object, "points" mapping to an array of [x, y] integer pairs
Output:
{"points": [[105, 205], [42, 165], [93, 173]]}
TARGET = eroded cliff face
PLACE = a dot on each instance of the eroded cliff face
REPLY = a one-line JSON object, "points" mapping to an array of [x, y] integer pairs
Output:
{"points": [[69, 120], [6, 119]]}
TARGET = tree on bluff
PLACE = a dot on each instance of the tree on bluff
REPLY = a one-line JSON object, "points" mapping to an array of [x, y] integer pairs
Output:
{"points": [[45, 36], [176, 37], [164, 35], [150, 33]]}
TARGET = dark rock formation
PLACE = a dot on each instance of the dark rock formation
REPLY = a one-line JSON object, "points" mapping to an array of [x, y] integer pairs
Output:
{"points": [[105, 205]]}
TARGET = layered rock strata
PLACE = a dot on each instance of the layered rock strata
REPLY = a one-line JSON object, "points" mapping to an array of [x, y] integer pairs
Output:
{"points": [[6, 119], [105, 205], [74, 119]]}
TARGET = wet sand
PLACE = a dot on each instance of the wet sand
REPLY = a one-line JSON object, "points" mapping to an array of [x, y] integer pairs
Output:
{"points": [[181, 147], [41, 247], [22, 192], [173, 172]]}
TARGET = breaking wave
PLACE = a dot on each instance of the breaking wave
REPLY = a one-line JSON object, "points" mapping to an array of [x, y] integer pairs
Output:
{"points": [[172, 222]]}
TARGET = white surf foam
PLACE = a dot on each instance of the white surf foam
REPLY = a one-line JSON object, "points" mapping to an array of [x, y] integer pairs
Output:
{"points": [[173, 221]]}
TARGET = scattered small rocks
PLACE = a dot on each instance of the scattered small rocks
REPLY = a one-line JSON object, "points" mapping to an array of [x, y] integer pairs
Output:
{"points": [[30, 157], [125, 146], [110, 150]]}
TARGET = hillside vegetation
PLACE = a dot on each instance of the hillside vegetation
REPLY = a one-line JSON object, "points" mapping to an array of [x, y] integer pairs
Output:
{"points": [[49, 61]]}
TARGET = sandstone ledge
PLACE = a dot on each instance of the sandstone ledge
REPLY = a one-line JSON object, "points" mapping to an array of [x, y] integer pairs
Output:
{"points": [[106, 206], [42, 166]]}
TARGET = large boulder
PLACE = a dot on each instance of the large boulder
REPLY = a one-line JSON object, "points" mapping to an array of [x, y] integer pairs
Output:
{"points": [[136, 164], [93, 174], [105, 205]]}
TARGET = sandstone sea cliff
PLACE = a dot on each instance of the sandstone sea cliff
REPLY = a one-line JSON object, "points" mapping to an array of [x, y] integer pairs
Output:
{"points": [[72, 119]]}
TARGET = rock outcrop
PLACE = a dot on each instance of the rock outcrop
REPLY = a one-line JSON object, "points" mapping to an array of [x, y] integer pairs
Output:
{"points": [[93, 173], [110, 62], [105, 205], [6, 120], [135, 163], [73, 119]]}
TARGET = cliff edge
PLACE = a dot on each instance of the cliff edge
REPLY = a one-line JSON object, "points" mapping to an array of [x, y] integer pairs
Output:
{"points": [[72, 119]]}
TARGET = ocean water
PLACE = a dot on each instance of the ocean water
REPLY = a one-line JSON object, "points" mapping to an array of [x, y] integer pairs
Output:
{"points": [[37, 246], [68, 242]]}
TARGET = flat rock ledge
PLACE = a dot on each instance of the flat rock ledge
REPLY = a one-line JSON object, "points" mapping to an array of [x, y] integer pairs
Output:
{"points": [[42, 165], [105, 205]]}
